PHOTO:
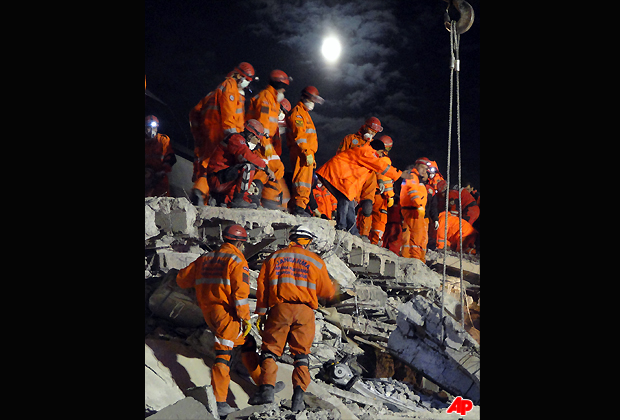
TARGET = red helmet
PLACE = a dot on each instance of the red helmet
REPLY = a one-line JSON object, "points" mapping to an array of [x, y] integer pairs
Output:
{"points": [[424, 161], [313, 94], [387, 140], [280, 76], [246, 70], [234, 233], [286, 105], [149, 120], [255, 127], [374, 124]]}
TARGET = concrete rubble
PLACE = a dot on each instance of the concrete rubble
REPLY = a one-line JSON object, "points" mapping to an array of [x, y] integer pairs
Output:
{"points": [[387, 325]]}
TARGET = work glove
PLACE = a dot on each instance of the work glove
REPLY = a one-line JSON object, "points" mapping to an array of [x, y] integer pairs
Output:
{"points": [[316, 212], [260, 321], [270, 174], [390, 202], [248, 326], [436, 224], [310, 160], [381, 186]]}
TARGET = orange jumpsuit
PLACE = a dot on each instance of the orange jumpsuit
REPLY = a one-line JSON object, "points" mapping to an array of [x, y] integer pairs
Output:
{"points": [[222, 283], [213, 118], [453, 242], [158, 159], [470, 211], [289, 283], [413, 196], [302, 141], [364, 223], [379, 208], [325, 201]]}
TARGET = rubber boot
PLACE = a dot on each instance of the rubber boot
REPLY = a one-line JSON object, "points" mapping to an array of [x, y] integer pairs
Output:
{"points": [[298, 400], [239, 203], [279, 387], [223, 409], [264, 395]]}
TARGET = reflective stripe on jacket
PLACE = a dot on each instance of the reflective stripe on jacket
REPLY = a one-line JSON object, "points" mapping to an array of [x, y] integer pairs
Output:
{"points": [[220, 277], [292, 275]]}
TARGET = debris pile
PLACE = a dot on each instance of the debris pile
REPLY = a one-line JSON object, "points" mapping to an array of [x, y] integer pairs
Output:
{"points": [[377, 352]]}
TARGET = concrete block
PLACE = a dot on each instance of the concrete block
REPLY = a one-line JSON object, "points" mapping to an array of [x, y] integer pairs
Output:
{"points": [[187, 408], [150, 228], [160, 389], [339, 272]]}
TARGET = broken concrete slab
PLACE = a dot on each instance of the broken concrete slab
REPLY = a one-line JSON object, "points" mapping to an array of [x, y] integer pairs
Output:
{"points": [[150, 228], [160, 389], [186, 409], [339, 272], [453, 364]]}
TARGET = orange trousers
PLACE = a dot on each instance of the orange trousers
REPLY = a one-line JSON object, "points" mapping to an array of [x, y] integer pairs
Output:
{"points": [[417, 225], [302, 178], [292, 323], [228, 334], [379, 219]]}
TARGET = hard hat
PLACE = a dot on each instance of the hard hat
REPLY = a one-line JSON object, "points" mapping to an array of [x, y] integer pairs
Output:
{"points": [[151, 121], [301, 232], [246, 70], [235, 233], [255, 127], [313, 94], [279, 76], [423, 161], [374, 124], [286, 105], [387, 140]]}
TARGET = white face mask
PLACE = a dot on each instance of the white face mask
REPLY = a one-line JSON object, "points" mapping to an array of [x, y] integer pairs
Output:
{"points": [[309, 105], [251, 145], [244, 83], [368, 136], [281, 116], [279, 97]]}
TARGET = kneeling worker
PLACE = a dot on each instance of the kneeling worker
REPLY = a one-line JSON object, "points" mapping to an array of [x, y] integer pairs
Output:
{"points": [[287, 288]]}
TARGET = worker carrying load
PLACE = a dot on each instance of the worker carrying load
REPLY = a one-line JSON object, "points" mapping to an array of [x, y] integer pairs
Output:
{"points": [[288, 287], [233, 165], [158, 159]]}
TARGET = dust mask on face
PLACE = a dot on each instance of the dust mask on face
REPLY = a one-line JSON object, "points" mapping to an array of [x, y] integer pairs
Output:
{"points": [[368, 136], [244, 83], [252, 146], [309, 105], [281, 116], [279, 97]]}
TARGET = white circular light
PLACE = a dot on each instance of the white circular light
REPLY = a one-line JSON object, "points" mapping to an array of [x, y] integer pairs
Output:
{"points": [[331, 48]]}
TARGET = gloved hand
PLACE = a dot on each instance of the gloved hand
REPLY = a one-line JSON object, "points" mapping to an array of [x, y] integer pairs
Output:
{"points": [[270, 174], [436, 224], [260, 321], [390, 202], [381, 186], [310, 160], [248, 326], [316, 212]]}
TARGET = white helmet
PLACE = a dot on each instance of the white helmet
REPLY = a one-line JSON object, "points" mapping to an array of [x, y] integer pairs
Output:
{"points": [[301, 231]]}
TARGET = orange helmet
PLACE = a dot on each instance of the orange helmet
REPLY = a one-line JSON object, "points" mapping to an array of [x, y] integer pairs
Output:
{"points": [[424, 161], [151, 121], [280, 76], [374, 124], [285, 105], [387, 140], [312, 93], [246, 70], [255, 127], [234, 233]]}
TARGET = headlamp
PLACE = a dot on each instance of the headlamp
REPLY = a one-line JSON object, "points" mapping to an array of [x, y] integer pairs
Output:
{"points": [[153, 124]]}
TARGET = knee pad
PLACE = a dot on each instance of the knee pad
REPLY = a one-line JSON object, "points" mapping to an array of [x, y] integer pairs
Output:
{"points": [[366, 207]]}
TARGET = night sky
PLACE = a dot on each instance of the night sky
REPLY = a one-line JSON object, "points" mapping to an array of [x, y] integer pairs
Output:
{"points": [[394, 66]]}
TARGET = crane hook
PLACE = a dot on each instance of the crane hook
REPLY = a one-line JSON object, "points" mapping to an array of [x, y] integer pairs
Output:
{"points": [[466, 19]]}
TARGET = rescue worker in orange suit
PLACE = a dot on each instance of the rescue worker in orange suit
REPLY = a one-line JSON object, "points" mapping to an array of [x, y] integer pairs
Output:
{"points": [[434, 176], [222, 283], [474, 192], [233, 165], [285, 110], [392, 238], [413, 197], [325, 201], [366, 195], [288, 287], [263, 190], [344, 175], [216, 116], [158, 159], [470, 209], [302, 141], [452, 239], [384, 197]]}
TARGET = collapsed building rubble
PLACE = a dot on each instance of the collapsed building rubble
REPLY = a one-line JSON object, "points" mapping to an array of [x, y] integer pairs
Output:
{"points": [[388, 316]]}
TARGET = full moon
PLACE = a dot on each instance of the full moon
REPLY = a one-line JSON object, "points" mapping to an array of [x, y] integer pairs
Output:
{"points": [[331, 48]]}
